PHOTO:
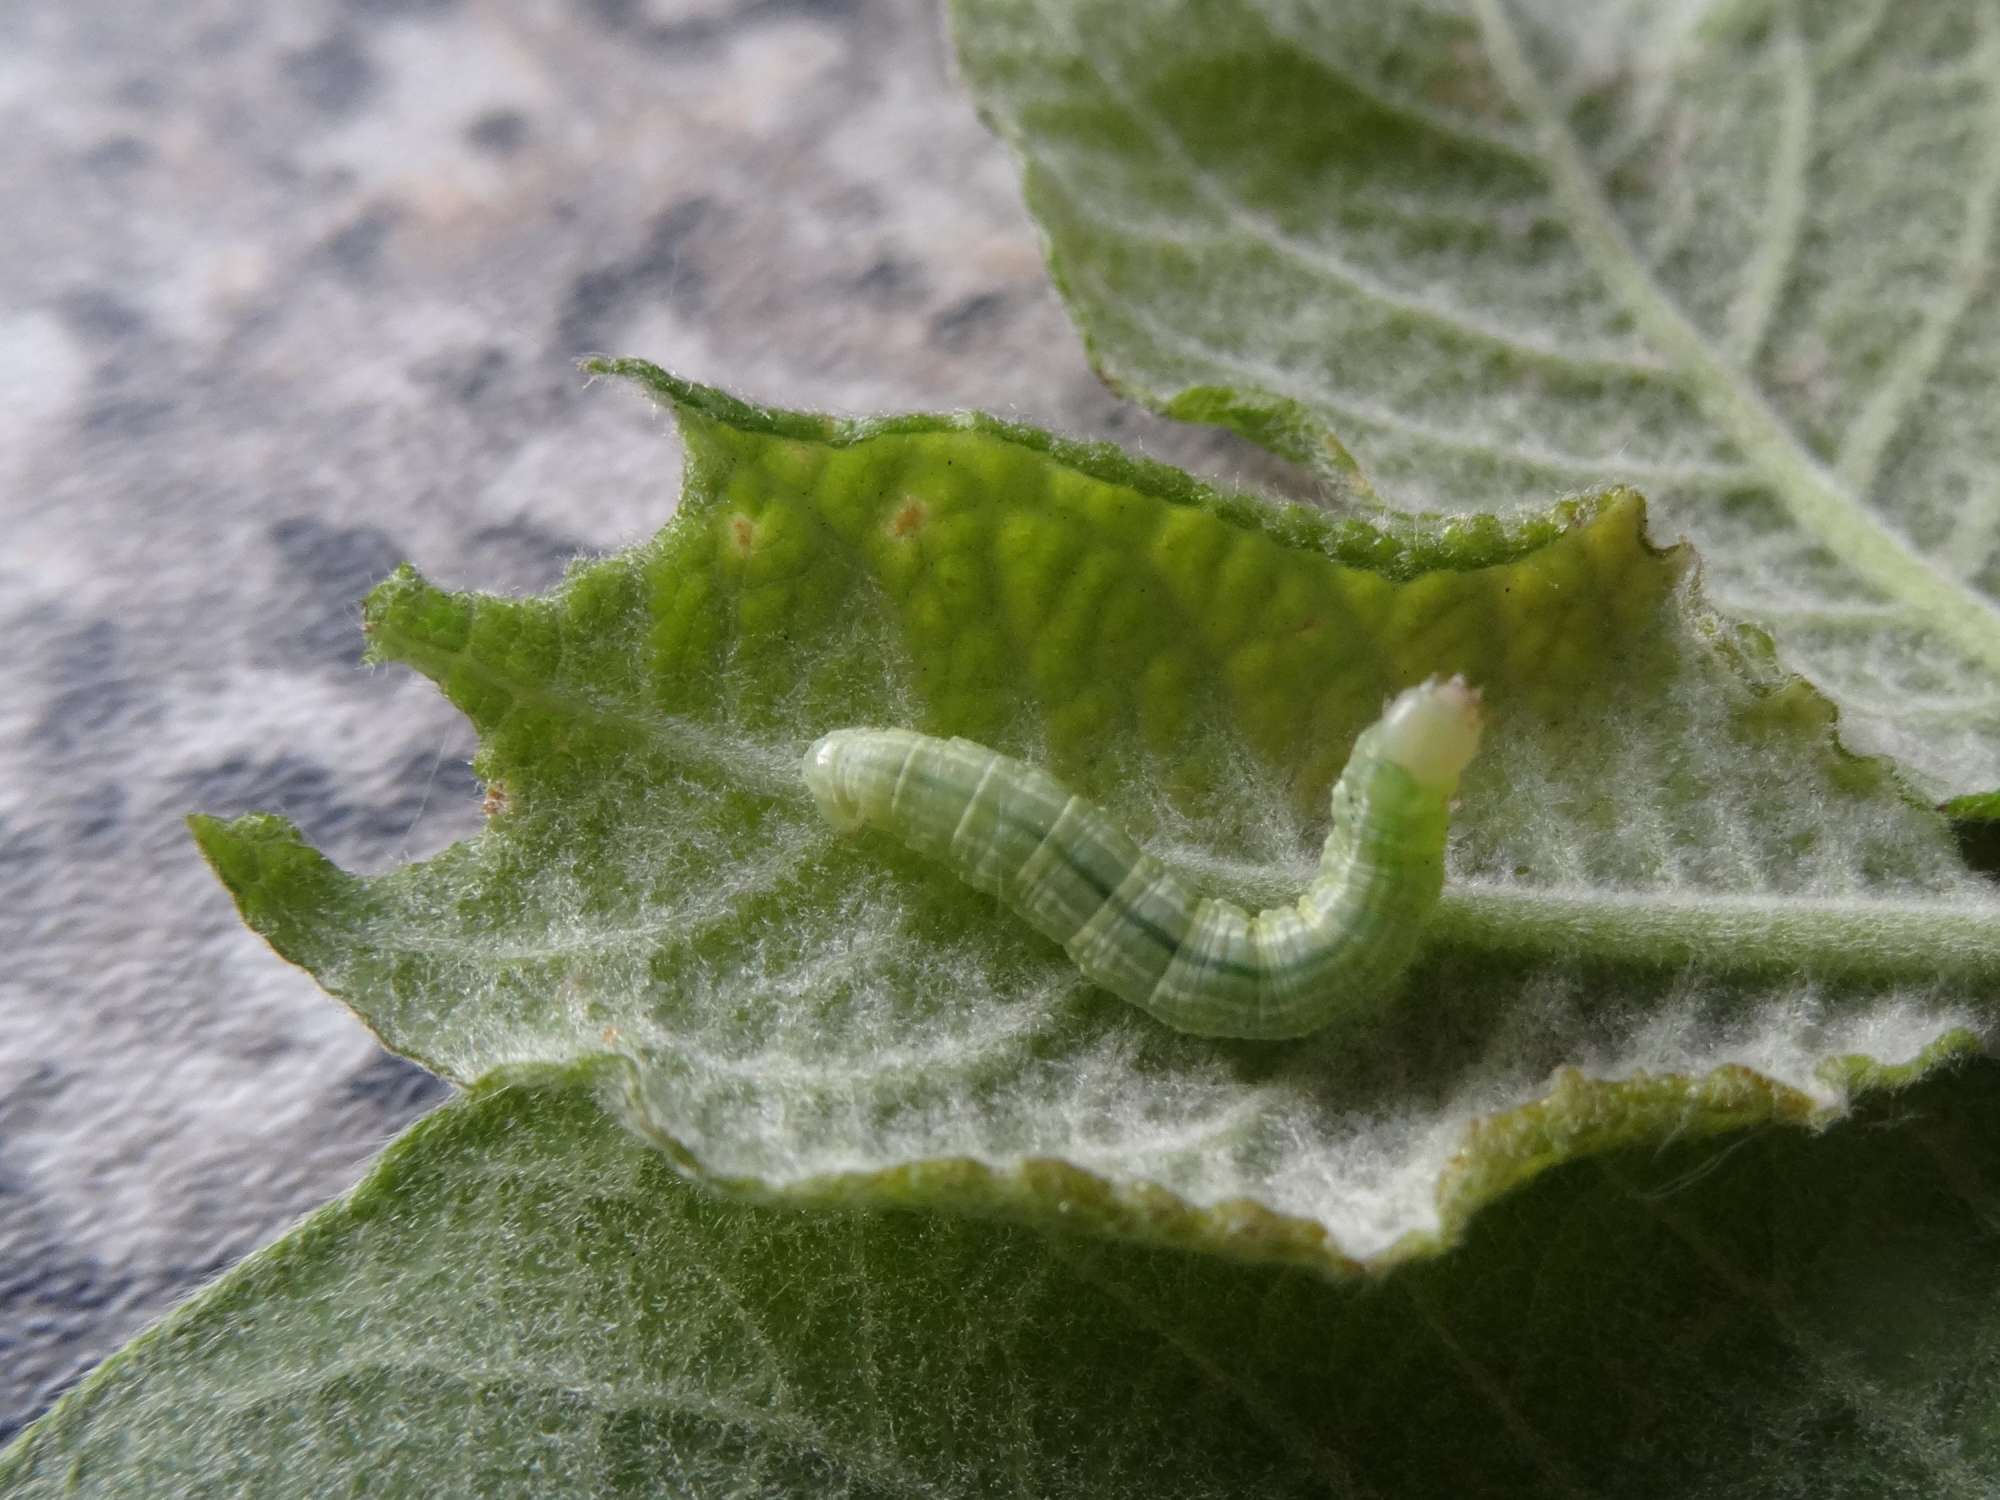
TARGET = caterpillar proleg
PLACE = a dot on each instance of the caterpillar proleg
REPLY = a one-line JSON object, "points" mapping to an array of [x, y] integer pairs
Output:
{"points": [[1135, 927]]}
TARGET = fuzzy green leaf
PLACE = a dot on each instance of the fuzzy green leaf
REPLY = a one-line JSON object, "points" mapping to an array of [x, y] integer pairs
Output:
{"points": [[1738, 255], [522, 1299], [1677, 905]]}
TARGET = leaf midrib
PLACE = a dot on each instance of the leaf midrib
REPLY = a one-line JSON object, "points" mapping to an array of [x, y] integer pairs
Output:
{"points": [[1921, 939], [1915, 938], [1816, 498], [763, 767]]}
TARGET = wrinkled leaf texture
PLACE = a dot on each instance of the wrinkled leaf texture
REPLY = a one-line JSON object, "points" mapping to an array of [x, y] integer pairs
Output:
{"points": [[1737, 256], [1741, 255], [1678, 905], [524, 1299]]}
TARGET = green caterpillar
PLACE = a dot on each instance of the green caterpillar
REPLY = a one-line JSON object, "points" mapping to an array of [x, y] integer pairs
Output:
{"points": [[1131, 924]]}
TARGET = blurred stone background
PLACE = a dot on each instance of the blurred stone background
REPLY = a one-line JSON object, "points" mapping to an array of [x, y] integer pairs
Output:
{"points": [[289, 294]]}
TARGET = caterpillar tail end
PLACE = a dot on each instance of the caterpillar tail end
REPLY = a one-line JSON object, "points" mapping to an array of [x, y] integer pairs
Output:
{"points": [[1432, 730], [831, 788]]}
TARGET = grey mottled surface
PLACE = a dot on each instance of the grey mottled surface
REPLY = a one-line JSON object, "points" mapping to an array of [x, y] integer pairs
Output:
{"points": [[289, 294]]}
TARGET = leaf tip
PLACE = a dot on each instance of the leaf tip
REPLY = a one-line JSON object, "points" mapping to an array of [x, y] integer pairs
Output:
{"points": [[247, 852], [282, 885], [407, 614]]}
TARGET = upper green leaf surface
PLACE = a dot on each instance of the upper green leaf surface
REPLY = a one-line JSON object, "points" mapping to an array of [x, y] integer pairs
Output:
{"points": [[522, 1299], [1739, 256], [1676, 904]]}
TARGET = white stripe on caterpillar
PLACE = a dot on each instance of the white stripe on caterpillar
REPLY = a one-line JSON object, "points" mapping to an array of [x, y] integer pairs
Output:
{"points": [[1131, 924]]}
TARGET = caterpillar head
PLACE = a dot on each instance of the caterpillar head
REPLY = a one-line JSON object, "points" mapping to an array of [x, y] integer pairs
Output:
{"points": [[829, 778], [1432, 731]]}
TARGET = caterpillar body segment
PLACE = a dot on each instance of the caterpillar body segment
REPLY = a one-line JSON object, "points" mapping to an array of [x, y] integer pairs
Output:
{"points": [[1136, 928]]}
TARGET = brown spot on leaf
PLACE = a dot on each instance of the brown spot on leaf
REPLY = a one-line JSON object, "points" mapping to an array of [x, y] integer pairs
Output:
{"points": [[909, 519]]}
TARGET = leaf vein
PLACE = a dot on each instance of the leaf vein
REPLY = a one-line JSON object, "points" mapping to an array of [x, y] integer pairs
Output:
{"points": [[1868, 438], [1395, 101], [1816, 498], [1274, 380], [1261, 1405], [1770, 267], [1262, 229]]}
